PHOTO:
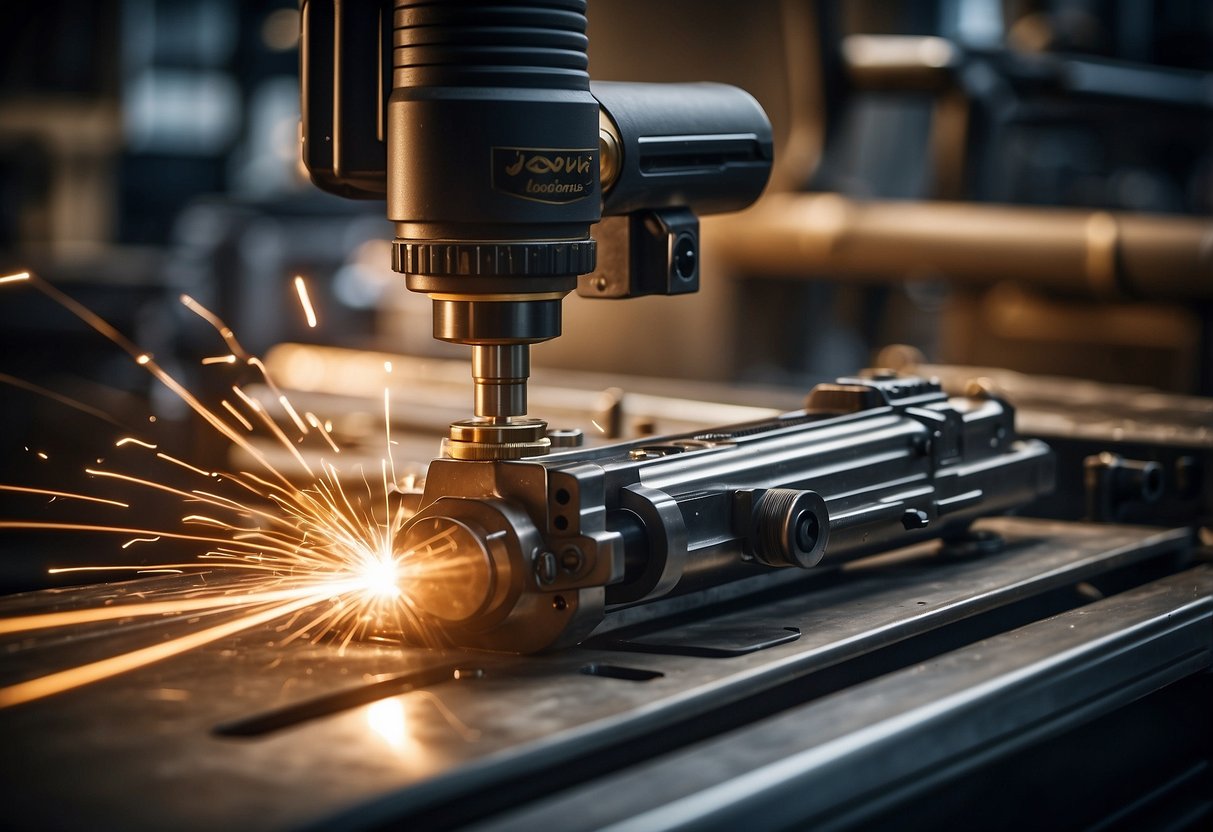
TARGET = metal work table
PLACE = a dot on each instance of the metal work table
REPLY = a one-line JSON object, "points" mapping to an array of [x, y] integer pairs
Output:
{"points": [[909, 670]]}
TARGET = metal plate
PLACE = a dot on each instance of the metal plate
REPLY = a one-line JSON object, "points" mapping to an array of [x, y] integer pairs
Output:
{"points": [[838, 761]]}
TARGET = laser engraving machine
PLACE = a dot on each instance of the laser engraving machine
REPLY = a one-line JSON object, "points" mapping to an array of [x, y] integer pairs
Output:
{"points": [[478, 124], [498, 159]]}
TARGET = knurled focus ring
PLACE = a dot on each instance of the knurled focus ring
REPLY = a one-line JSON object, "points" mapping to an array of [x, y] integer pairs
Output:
{"points": [[558, 257], [480, 440]]}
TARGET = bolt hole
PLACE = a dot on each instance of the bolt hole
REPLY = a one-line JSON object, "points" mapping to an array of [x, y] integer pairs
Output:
{"points": [[559, 604], [807, 530], [561, 522], [563, 496], [684, 258]]}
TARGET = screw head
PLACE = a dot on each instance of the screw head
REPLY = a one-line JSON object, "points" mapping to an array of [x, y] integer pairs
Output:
{"points": [[545, 567]]}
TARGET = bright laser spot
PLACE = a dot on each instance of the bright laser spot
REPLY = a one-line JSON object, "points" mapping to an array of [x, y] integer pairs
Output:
{"points": [[14, 278], [380, 577]]}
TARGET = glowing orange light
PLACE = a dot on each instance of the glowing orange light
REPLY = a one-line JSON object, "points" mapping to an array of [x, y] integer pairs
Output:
{"points": [[380, 577], [130, 440], [387, 719], [318, 559]]}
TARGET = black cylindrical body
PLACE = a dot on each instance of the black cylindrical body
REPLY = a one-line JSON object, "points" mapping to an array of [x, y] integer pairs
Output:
{"points": [[492, 146], [706, 147]]}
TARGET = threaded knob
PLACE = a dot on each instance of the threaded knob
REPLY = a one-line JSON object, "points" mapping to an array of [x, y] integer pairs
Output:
{"points": [[790, 528]]}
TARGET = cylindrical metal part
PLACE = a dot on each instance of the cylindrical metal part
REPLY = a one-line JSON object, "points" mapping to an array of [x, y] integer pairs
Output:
{"points": [[469, 321], [705, 147], [492, 141], [1071, 251], [791, 528], [448, 572], [499, 373]]}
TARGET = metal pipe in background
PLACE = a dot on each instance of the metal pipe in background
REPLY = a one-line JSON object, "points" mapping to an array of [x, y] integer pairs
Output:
{"points": [[1081, 252]]}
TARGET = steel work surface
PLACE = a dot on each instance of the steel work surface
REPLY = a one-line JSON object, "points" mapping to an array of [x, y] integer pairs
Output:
{"points": [[246, 734]]}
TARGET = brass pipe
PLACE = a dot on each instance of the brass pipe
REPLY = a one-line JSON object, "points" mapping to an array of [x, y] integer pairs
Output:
{"points": [[1079, 252]]}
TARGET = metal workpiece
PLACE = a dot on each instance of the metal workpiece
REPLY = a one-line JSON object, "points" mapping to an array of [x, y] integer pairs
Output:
{"points": [[871, 463], [554, 592], [255, 734], [1078, 252]]}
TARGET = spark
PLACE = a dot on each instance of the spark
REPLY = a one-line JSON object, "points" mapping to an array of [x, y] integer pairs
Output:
{"points": [[211, 318], [236, 414], [183, 464], [14, 278], [290, 411], [318, 560], [94, 615], [325, 428], [130, 440], [66, 494], [305, 301], [130, 543], [84, 674]]}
